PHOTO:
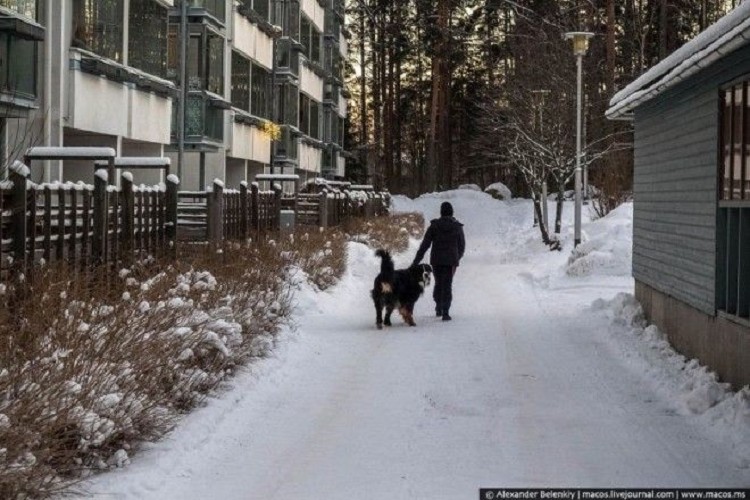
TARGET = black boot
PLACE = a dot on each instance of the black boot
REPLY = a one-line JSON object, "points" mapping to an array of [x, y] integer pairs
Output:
{"points": [[438, 311], [446, 316]]}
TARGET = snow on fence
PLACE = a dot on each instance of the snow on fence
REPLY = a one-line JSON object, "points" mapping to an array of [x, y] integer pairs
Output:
{"points": [[85, 224]]}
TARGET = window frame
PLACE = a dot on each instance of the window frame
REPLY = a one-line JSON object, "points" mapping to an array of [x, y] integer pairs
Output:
{"points": [[142, 62], [90, 30]]}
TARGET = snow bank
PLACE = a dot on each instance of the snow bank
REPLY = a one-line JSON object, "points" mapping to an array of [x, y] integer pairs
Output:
{"points": [[692, 388], [608, 249], [471, 187], [499, 190]]}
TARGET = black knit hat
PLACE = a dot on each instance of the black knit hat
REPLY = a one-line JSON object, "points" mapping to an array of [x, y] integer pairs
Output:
{"points": [[446, 209]]}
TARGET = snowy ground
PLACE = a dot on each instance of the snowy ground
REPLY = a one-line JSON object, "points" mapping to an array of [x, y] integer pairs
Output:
{"points": [[529, 386]]}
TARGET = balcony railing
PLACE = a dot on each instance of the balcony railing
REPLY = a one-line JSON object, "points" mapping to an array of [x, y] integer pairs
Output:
{"points": [[204, 120]]}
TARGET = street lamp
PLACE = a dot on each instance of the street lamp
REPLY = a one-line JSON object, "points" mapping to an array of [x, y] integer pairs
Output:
{"points": [[580, 47]]}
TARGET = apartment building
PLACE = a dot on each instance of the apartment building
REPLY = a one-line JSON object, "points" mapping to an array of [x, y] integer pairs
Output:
{"points": [[264, 85]]}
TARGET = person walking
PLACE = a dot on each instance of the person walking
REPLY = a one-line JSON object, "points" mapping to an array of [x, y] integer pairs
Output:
{"points": [[446, 236]]}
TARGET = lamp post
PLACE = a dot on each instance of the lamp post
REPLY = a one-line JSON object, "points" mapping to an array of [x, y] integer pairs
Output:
{"points": [[580, 47]]}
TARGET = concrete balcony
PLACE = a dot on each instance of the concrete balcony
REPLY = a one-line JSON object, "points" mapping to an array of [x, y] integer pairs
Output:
{"points": [[310, 83], [315, 13], [247, 140], [111, 99], [253, 42], [310, 158]]}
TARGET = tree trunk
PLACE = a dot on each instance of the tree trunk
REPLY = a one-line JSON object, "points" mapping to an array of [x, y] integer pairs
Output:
{"points": [[559, 211]]}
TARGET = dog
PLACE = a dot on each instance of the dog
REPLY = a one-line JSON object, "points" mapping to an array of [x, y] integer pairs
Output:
{"points": [[398, 289]]}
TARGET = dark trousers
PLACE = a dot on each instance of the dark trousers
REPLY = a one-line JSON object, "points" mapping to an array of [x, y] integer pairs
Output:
{"points": [[443, 291]]}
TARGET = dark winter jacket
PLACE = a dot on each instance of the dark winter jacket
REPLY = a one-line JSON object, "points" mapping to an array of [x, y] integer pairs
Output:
{"points": [[446, 236]]}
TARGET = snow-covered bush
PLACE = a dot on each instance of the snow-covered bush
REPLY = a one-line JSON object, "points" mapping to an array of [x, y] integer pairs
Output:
{"points": [[471, 187], [499, 191], [92, 365], [392, 232]]}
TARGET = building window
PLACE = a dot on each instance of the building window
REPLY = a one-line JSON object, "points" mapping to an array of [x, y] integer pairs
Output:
{"points": [[147, 48], [24, 7], [215, 71], [733, 225], [97, 26], [287, 96], [287, 16], [310, 38], [240, 82], [260, 101], [18, 58], [304, 114], [216, 8], [314, 120]]}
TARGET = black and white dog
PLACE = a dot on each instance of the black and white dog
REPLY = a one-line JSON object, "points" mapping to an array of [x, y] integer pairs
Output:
{"points": [[398, 289]]}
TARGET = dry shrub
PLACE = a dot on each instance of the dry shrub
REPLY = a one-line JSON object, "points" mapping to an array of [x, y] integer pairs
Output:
{"points": [[391, 233], [92, 364], [319, 253]]}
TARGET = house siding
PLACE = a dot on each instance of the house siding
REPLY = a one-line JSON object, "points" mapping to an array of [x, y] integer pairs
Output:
{"points": [[675, 185]]}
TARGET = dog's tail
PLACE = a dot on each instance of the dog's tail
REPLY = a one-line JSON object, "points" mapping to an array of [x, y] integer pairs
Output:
{"points": [[386, 265]]}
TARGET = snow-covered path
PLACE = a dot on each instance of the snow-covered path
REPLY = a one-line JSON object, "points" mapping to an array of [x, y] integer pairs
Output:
{"points": [[521, 389]]}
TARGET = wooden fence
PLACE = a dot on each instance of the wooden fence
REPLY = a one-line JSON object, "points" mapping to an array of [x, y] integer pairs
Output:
{"points": [[104, 224]]}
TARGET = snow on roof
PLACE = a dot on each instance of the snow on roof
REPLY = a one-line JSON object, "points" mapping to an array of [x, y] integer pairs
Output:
{"points": [[46, 152], [723, 37]]}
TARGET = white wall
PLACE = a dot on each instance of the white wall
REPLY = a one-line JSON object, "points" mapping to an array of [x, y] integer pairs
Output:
{"points": [[252, 42], [310, 158], [340, 166], [310, 83], [315, 12], [102, 106], [249, 143]]}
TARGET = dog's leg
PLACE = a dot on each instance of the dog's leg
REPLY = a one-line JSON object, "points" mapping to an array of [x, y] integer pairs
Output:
{"points": [[410, 315], [404, 312], [378, 300], [388, 312]]}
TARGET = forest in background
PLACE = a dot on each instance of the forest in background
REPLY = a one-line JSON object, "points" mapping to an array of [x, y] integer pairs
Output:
{"points": [[447, 92]]}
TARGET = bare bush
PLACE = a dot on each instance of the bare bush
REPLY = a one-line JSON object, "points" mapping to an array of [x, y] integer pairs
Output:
{"points": [[391, 233]]}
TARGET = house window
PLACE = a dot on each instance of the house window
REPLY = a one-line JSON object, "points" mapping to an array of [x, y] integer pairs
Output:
{"points": [[18, 58], [240, 82], [733, 224], [147, 48], [24, 7], [97, 26], [260, 102]]}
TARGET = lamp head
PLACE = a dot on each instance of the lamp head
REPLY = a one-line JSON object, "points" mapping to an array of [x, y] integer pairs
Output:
{"points": [[580, 41]]}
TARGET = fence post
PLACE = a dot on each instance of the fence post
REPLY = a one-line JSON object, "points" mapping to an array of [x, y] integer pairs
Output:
{"points": [[244, 211], [173, 184], [323, 208], [276, 207], [98, 243], [254, 206], [19, 174], [216, 212], [128, 217]]}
